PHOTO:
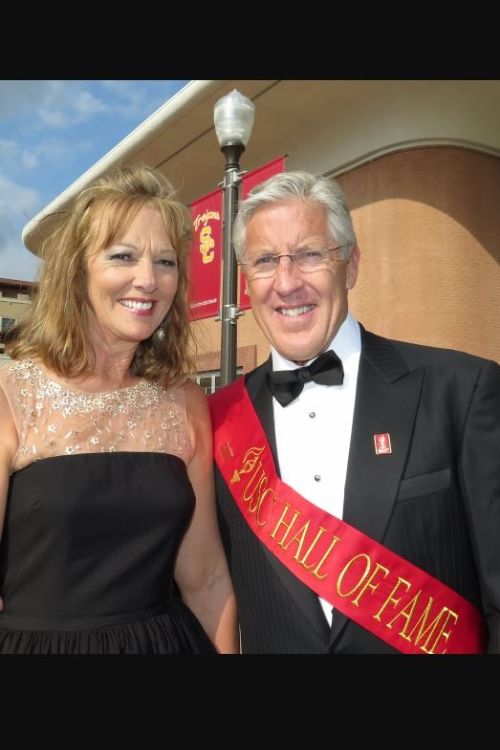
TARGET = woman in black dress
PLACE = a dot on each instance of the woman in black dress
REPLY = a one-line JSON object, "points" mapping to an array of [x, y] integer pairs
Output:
{"points": [[110, 541]]}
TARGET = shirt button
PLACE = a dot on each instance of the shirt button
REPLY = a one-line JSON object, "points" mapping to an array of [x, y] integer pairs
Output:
{"points": [[312, 414], [317, 478]]}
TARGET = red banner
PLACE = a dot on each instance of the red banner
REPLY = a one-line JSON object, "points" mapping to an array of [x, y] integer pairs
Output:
{"points": [[248, 182], [205, 256]]}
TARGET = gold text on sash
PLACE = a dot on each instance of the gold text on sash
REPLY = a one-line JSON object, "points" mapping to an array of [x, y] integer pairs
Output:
{"points": [[412, 614]]}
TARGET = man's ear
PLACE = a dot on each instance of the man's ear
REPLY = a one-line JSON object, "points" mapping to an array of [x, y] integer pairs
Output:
{"points": [[352, 268]]}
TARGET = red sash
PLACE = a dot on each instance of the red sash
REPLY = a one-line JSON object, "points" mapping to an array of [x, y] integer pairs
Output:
{"points": [[385, 594]]}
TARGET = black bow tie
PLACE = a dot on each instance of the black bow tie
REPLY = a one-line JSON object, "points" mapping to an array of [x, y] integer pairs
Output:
{"points": [[286, 385]]}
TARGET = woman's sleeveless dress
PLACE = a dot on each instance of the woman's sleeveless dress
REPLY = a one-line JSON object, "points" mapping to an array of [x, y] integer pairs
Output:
{"points": [[99, 501]]}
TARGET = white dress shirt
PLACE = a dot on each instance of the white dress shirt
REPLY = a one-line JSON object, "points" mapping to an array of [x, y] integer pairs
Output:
{"points": [[313, 433]]}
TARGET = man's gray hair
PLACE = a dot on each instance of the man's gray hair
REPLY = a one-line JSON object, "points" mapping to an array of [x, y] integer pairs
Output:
{"points": [[286, 186]]}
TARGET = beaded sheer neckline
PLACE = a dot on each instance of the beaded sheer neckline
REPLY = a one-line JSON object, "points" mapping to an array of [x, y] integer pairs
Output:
{"points": [[72, 397], [76, 389], [54, 419]]}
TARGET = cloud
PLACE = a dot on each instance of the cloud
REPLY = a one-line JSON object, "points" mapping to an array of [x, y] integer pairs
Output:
{"points": [[62, 104], [18, 199], [66, 107], [19, 98], [138, 99], [16, 158], [58, 105], [17, 204], [50, 104], [86, 105], [9, 149], [29, 160], [13, 155], [57, 152], [16, 262]]}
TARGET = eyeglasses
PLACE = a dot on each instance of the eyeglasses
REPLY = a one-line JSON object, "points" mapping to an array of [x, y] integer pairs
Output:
{"points": [[306, 260]]}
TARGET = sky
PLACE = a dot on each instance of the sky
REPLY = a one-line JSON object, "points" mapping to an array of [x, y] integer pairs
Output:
{"points": [[50, 133]]}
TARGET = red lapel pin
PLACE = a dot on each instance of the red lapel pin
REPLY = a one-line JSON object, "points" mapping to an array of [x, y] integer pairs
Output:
{"points": [[382, 443]]}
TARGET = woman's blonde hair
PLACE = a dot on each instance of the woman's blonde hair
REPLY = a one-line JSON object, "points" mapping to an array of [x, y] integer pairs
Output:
{"points": [[56, 328]]}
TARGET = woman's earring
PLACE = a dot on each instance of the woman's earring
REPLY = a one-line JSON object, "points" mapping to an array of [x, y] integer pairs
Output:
{"points": [[160, 333]]}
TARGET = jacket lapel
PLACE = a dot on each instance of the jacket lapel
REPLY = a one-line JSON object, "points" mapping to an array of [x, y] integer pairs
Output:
{"points": [[304, 598], [263, 404], [387, 398]]}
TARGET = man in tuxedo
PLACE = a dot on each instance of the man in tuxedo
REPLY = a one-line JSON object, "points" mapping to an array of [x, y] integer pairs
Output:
{"points": [[400, 441]]}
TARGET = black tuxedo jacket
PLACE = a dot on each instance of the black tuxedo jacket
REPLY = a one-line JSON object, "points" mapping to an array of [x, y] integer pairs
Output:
{"points": [[435, 500]]}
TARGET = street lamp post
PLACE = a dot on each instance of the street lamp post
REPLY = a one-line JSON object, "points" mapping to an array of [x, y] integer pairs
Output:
{"points": [[234, 116]]}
